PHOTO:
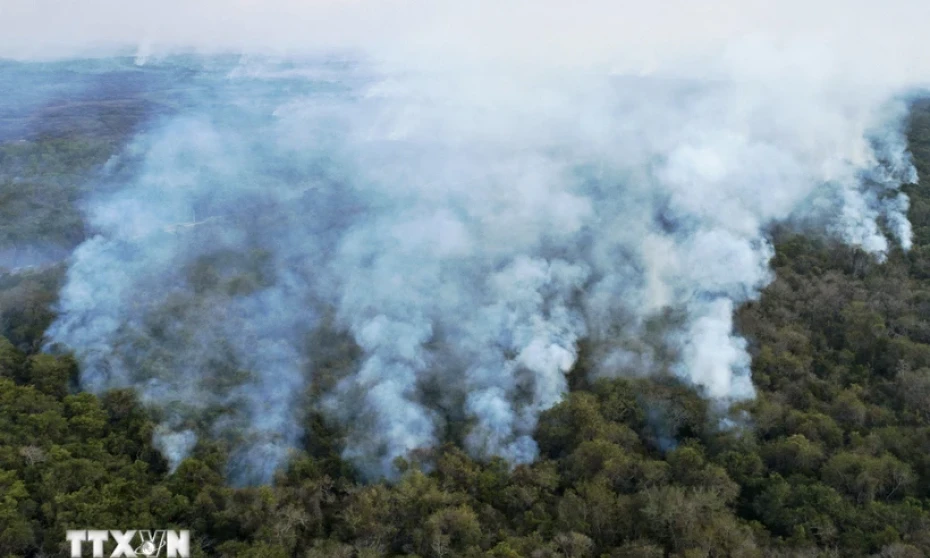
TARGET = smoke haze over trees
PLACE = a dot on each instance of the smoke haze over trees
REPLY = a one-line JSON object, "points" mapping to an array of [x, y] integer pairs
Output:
{"points": [[465, 244], [354, 289]]}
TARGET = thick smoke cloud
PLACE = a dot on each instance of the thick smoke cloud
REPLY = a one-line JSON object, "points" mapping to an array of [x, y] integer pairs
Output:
{"points": [[468, 199]]}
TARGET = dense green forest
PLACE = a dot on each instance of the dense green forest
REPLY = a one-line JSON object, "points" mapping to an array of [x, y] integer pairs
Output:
{"points": [[831, 459]]}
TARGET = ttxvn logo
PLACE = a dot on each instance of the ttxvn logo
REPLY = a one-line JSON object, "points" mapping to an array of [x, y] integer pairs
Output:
{"points": [[147, 544]]}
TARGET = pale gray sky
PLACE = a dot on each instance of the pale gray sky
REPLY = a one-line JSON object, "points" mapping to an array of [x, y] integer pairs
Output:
{"points": [[889, 37]]}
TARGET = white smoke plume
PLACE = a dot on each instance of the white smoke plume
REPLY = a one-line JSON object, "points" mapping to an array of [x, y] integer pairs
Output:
{"points": [[468, 195]]}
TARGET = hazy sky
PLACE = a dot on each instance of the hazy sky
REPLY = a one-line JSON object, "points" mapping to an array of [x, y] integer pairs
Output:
{"points": [[861, 36]]}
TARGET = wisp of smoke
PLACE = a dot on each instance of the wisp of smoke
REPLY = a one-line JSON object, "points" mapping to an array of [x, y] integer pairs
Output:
{"points": [[466, 222]]}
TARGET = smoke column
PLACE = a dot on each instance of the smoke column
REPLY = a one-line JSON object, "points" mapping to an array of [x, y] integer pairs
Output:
{"points": [[466, 216]]}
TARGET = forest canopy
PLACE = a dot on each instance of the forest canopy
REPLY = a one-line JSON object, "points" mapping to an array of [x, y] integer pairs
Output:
{"points": [[830, 458]]}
